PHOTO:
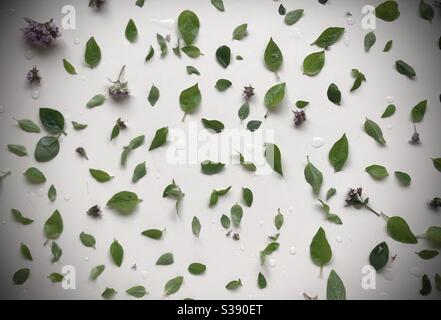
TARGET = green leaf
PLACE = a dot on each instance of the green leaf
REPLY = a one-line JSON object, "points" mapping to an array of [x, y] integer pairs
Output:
{"points": [[209, 167], [434, 234], [131, 32], [293, 17], [87, 240], [18, 150], [403, 177], [240, 32], [137, 291], [233, 285], [28, 126], [319, 248], [329, 215], [279, 220], [153, 95], [335, 289], [79, 126], [153, 234], [253, 125], [52, 120], [218, 4], [223, 84], [173, 191], [56, 277], [426, 11], [313, 176], [69, 67], [244, 111], [162, 44], [399, 230], [108, 293], [236, 214], [369, 40], [150, 54], [223, 56], [117, 253], [57, 252], [92, 55], [247, 165], [438, 281], [247, 196], [419, 111], [33, 175], [140, 3], [192, 70], [338, 155], [388, 46], [273, 157], [225, 222], [379, 256], [196, 268], [53, 226], [282, 10], [133, 144], [334, 94], [100, 176], [261, 281], [124, 202], [96, 271], [331, 192], [377, 172], [215, 194], [196, 226], [47, 149], [301, 104], [52, 193], [173, 285], [139, 172], [214, 125], [165, 259], [329, 37], [437, 163], [25, 252], [405, 69], [192, 51], [21, 276], [313, 63], [359, 78], [390, 110], [374, 131], [269, 249], [274, 96], [387, 11], [18, 216], [190, 99], [96, 101], [273, 56], [426, 286], [427, 254], [160, 138]]}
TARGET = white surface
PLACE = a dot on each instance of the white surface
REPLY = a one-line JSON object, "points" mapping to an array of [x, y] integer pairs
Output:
{"points": [[415, 41]]}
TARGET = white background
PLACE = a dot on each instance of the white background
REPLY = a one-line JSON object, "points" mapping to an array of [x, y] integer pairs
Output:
{"points": [[415, 41]]}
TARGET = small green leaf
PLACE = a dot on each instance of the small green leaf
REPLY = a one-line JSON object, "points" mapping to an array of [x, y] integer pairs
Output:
{"points": [[437, 163], [192, 51], [274, 157], [269, 249], [96, 271], [108, 293], [329, 215], [223, 84], [247, 196], [282, 10], [314, 63], [196, 268], [18, 150], [133, 144], [247, 165], [293, 17], [434, 234], [117, 253], [192, 70], [25, 252], [335, 289], [223, 56], [139, 172], [137, 291], [160, 138], [387, 11], [47, 149], [261, 281], [234, 285], [379, 256], [390, 110], [426, 286], [427, 254], [377, 172], [92, 55], [69, 67], [225, 221], [244, 111], [240, 32], [52, 120], [188, 25], [53, 226], [153, 95], [124, 202], [253, 125], [21, 276], [320, 250], [334, 94], [388, 46], [150, 54], [301, 104], [338, 155], [34, 175], [214, 125], [208, 167], [218, 4], [190, 99], [153, 234], [79, 126], [426, 11], [329, 37], [196, 226], [236, 214], [162, 44], [174, 192], [18, 216], [405, 69], [369, 40], [173, 285], [279, 220], [313, 176], [55, 277], [87, 240], [215, 194], [100, 176], [131, 32], [28, 126], [331, 192], [374, 131], [57, 252], [273, 56], [399, 230], [403, 177], [140, 3], [419, 111], [96, 101], [165, 259]]}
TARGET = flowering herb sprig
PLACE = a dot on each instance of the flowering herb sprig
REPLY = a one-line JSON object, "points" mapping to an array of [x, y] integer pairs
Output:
{"points": [[248, 92], [33, 75], [94, 212], [354, 198], [40, 34], [299, 117], [415, 139], [435, 203], [119, 89]]}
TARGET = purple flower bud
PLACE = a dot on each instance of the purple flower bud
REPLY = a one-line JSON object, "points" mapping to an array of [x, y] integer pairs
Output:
{"points": [[33, 75], [299, 117], [40, 34], [248, 92]]}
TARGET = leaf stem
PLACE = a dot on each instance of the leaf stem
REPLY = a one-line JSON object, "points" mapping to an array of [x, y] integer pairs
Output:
{"points": [[266, 114], [372, 210], [183, 118]]}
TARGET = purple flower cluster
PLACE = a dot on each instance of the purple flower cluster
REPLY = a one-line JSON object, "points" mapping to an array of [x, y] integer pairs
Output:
{"points": [[435, 203], [119, 90], [33, 75], [354, 196], [299, 117], [40, 34], [248, 92]]}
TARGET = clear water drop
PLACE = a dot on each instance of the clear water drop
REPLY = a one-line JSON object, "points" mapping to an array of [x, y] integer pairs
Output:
{"points": [[242, 248], [213, 221], [350, 237], [291, 209], [67, 197], [272, 262], [86, 258], [296, 33], [389, 127], [180, 144], [346, 40], [390, 99], [350, 20], [292, 251], [339, 239], [317, 142], [388, 274], [144, 274], [77, 41], [29, 54], [261, 222], [35, 94]]}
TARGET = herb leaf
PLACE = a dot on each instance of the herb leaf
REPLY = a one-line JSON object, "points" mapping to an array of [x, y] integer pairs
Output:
{"points": [[96, 271], [28, 126], [52, 193], [223, 84], [390, 110], [339, 153], [173, 191], [209, 167], [273, 56], [34, 175], [313, 63], [21, 276], [225, 221], [437, 163], [162, 44], [426, 11], [173, 285], [196, 226], [159, 139], [253, 125], [374, 131], [334, 94], [240, 32], [313, 176], [335, 289], [215, 194], [69, 67], [247, 196], [236, 214], [233, 285], [53, 226], [293, 17], [244, 111], [223, 56], [388, 46], [133, 144], [261, 281], [403, 177], [117, 253], [214, 125], [100, 176], [88, 240], [18, 216], [377, 172], [387, 11], [47, 148], [329, 37], [419, 111], [124, 202], [108, 293], [96, 101], [137, 291], [52, 120], [92, 55], [379, 256], [192, 51], [131, 32], [427, 254], [153, 234], [25, 252], [190, 99], [434, 234], [153, 95], [399, 230], [18, 150], [369, 40], [196, 268], [165, 259], [405, 69], [426, 286], [273, 157], [247, 165], [218, 4], [139, 172], [319, 248], [331, 192], [330, 216], [274, 96]]}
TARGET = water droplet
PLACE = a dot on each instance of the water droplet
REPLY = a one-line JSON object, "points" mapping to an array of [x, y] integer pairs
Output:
{"points": [[272, 262], [77, 41], [86, 259], [164, 23], [2, 109], [350, 20], [317, 142], [35, 94], [261, 223], [242, 248], [339, 239], [213, 221], [388, 274], [144, 274], [346, 40], [389, 127], [291, 209], [350, 237], [83, 78], [67, 197], [29, 54], [296, 33], [292, 251], [416, 271], [390, 99], [158, 175], [180, 144]]}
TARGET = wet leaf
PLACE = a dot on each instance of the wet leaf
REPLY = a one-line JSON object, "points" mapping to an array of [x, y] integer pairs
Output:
{"points": [[399, 230], [92, 55], [320, 250], [117, 253], [273, 56], [47, 149], [52, 120], [53, 226], [374, 131], [379, 256], [314, 63], [223, 56]]}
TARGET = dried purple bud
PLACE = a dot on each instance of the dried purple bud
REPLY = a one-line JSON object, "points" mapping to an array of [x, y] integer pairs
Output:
{"points": [[40, 34], [96, 3], [121, 124], [168, 37], [354, 196], [94, 212], [435, 203], [236, 236], [299, 117], [119, 89], [248, 92], [33, 75], [82, 152]]}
